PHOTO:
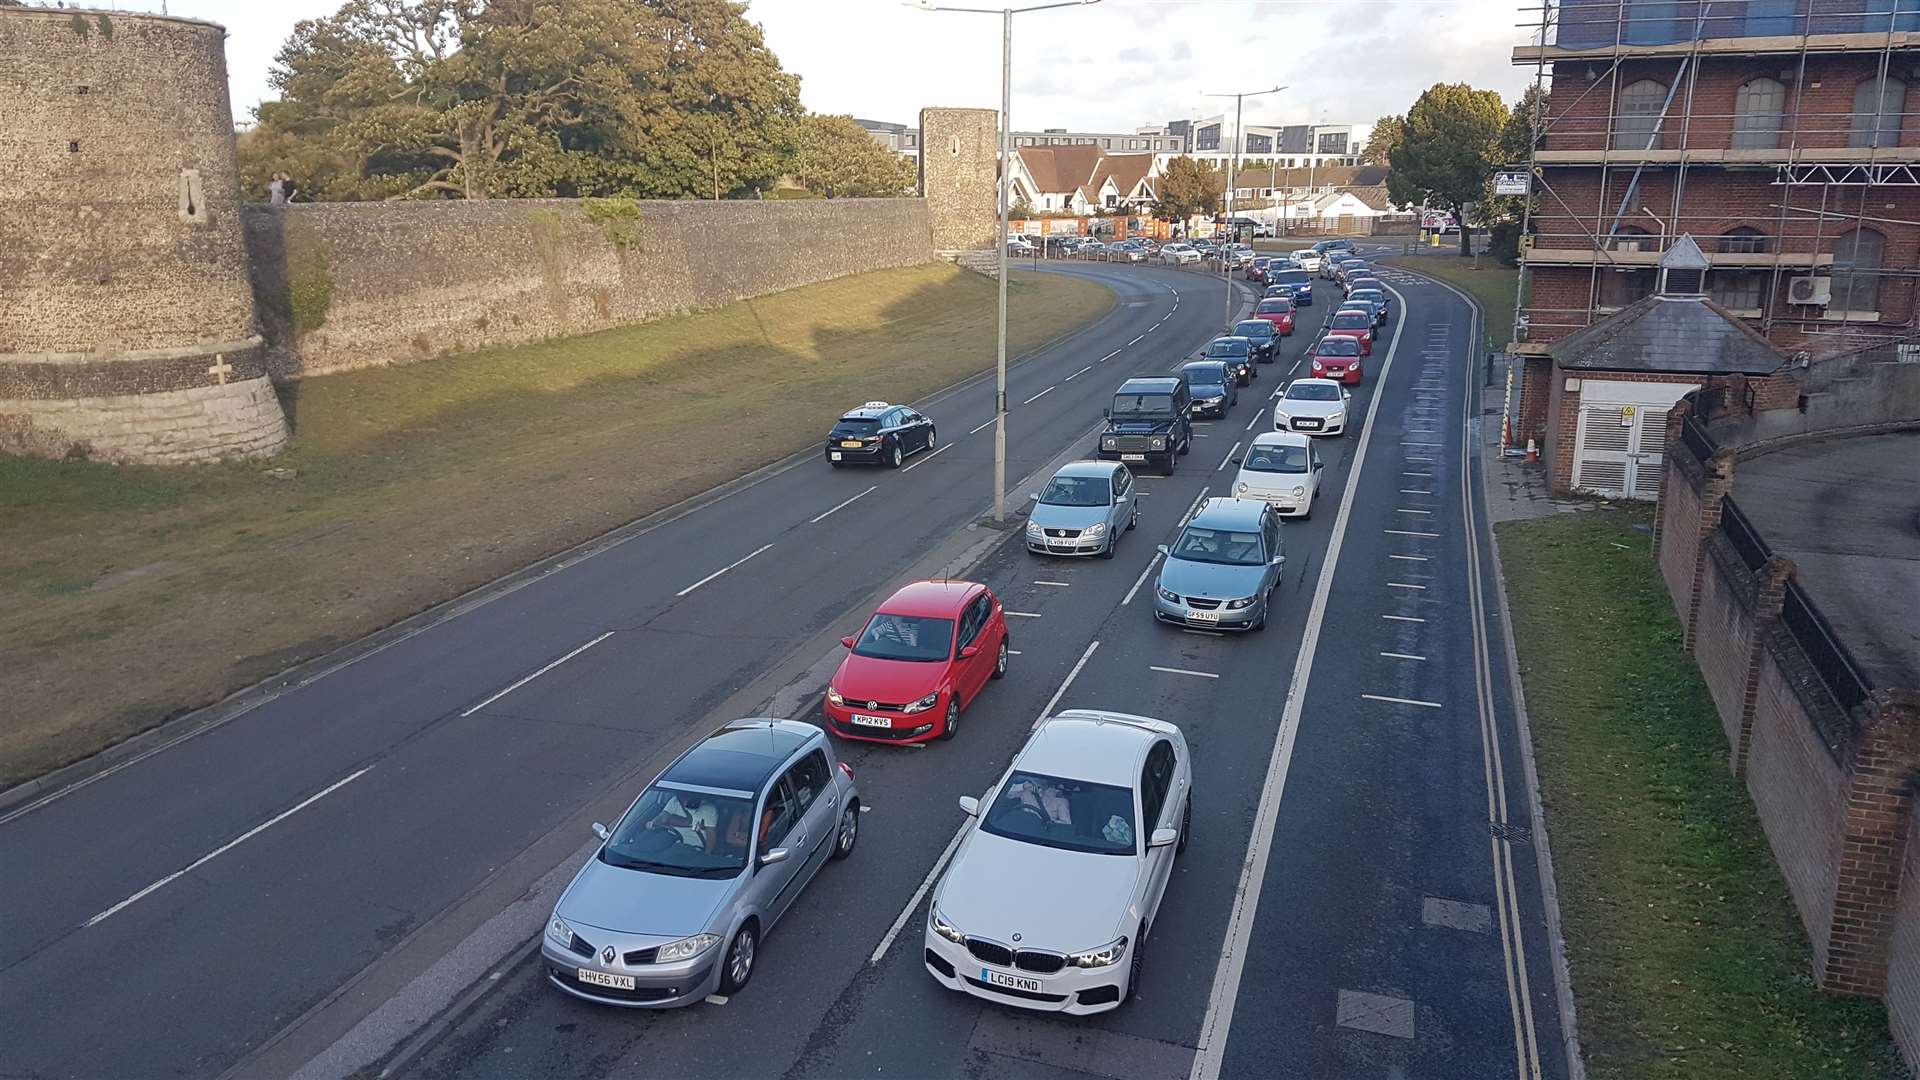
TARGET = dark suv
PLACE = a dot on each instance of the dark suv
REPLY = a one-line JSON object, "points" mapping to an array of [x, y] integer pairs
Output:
{"points": [[1150, 422]]}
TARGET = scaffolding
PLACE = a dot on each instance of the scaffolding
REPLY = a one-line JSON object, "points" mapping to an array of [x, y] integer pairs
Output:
{"points": [[1820, 166]]}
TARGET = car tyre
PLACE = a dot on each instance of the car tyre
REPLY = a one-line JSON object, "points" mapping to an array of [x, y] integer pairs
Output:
{"points": [[1186, 444], [893, 456], [1106, 552], [1186, 826], [932, 440], [1000, 661], [850, 830], [1266, 603], [737, 969], [1133, 519], [952, 726]]}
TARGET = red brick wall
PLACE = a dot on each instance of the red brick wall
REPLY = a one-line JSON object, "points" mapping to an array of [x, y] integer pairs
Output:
{"points": [[1903, 960], [1536, 380]]}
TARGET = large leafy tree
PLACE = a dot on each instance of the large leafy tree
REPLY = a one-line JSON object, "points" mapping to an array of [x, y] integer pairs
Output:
{"points": [[1387, 132], [1449, 145], [1187, 188], [479, 98], [836, 158]]}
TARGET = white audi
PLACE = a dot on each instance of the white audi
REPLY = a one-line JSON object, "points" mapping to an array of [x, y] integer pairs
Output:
{"points": [[1052, 894], [1312, 407]]}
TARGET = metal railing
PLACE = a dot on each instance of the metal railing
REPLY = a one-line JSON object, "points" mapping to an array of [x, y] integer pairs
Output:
{"points": [[1693, 436], [1741, 534], [1829, 656]]}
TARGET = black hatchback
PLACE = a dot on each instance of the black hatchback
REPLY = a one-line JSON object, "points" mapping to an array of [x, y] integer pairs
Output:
{"points": [[878, 433], [1236, 353], [1266, 341]]}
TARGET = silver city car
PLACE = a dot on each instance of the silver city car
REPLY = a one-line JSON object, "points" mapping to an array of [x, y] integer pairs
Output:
{"points": [[674, 902], [1083, 510], [1221, 572]]}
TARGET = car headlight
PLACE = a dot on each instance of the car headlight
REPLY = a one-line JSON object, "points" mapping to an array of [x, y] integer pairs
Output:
{"points": [[1109, 443], [924, 703], [1105, 956], [939, 925], [1337, 418], [1098, 528], [834, 697], [1299, 492], [685, 948], [1034, 529], [1243, 602], [1241, 488], [1169, 597], [1159, 443], [560, 932]]}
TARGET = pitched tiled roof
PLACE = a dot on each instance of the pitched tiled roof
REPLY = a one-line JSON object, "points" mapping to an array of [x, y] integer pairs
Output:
{"points": [[1058, 169], [1688, 335], [1127, 170], [1374, 196]]}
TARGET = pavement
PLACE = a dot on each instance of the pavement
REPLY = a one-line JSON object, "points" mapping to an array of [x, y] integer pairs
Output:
{"points": [[355, 868], [1847, 512]]}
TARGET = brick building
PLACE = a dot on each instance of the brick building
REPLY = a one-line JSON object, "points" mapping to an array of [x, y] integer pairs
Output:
{"points": [[1778, 133]]}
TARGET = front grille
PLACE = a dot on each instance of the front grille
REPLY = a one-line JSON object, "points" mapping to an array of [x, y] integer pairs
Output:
{"points": [[639, 956], [990, 952], [581, 945], [1134, 444], [1204, 603], [1041, 963], [1062, 534], [1011, 992], [875, 706]]}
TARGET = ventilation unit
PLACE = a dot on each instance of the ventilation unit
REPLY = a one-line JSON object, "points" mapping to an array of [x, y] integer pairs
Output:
{"points": [[1817, 291]]}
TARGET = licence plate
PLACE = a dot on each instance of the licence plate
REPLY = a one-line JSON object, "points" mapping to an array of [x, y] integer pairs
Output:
{"points": [[1202, 616], [836, 455], [851, 444], [864, 720], [1307, 423], [1012, 982], [601, 978], [1133, 457]]}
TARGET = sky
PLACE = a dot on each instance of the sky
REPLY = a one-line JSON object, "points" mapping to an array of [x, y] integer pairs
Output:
{"points": [[1115, 65]]}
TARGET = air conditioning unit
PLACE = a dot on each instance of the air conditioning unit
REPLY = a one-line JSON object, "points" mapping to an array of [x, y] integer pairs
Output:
{"points": [[1816, 291]]}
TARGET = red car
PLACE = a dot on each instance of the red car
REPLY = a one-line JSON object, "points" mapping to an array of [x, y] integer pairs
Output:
{"points": [[1277, 310], [921, 658], [1353, 323], [1336, 357]]}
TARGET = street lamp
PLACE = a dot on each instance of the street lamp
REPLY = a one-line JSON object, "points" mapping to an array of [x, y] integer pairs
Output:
{"points": [[1006, 182], [1233, 165]]}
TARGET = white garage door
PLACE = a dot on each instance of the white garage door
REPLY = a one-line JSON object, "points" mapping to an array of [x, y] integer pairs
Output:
{"points": [[1618, 449]]}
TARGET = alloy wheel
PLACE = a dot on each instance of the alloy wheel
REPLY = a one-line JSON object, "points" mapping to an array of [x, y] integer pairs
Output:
{"points": [[849, 830], [740, 956], [1000, 661], [952, 725]]}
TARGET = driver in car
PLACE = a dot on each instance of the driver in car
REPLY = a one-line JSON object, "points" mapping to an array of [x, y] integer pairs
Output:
{"points": [[1044, 797]]}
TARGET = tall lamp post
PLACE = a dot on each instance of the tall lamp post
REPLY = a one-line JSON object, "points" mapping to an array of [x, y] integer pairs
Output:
{"points": [[1006, 183], [1233, 165]]}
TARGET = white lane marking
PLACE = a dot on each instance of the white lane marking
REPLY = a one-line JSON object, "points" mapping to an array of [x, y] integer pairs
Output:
{"points": [[715, 999], [1183, 671], [1403, 701], [1142, 579], [1137, 340], [1402, 618], [817, 519], [1405, 585], [941, 449], [1077, 374], [1256, 417], [1229, 457], [1154, 327], [1423, 535], [1402, 656], [226, 847], [1296, 366], [1409, 558], [1415, 491], [1411, 510], [725, 568], [525, 679], [1013, 652], [982, 427], [1023, 614], [1038, 396], [1218, 1021], [1056, 584], [1108, 357]]}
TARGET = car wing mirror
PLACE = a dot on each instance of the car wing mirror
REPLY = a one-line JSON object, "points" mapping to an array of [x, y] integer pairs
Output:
{"points": [[847, 642], [968, 652], [1279, 560], [1108, 413], [1033, 496], [1318, 465], [1163, 837], [971, 805], [1236, 460], [773, 855], [600, 831]]}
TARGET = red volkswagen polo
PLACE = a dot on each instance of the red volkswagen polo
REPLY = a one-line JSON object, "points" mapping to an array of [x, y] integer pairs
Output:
{"points": [[1353, 323], [921, 658]]}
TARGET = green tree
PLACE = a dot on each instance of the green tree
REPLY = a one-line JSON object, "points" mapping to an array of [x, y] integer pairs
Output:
{"points": [[1502, 214], [1187, 188], [1387, 133], [835, 157], [1446, 151]]}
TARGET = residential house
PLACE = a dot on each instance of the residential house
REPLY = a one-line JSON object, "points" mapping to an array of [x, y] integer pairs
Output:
{"points": [[1082, 179]]}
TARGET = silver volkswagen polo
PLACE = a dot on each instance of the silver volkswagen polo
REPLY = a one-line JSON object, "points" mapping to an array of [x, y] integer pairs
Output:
{"points": [[674, 902], [1083, 510]]}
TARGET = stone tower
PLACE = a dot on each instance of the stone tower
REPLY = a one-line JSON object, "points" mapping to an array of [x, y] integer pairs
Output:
{"points": [[959, 174], [126, 320]]}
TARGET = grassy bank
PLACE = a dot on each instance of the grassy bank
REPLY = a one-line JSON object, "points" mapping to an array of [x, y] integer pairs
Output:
{"points": [[129, 595], [1688, 960]]}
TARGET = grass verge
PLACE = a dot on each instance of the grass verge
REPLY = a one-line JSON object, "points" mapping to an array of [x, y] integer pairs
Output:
{"points": [[131, 594], [1688, 960]]}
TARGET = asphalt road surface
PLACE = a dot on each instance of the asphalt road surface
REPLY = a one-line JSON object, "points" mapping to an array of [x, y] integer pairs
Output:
{"points": [[237, 902]]}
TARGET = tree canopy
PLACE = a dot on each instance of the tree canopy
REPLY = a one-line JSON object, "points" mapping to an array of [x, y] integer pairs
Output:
{"points": [[1187, 188], [1387, 132], [836, 158], [1449, 145], [480, 98]]}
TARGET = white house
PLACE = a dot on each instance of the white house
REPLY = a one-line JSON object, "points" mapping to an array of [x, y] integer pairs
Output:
{"points": [[1082, 179]]}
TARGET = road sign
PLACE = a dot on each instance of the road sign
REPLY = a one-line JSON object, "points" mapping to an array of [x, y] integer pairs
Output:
{"points": [[1512, 183]]}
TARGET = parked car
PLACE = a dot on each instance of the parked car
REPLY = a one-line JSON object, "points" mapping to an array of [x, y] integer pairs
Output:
{"points": [[672, 906], [1281, 469], [1215, 388], [878, 433], [1150, 422], [1355, 323], [1237, 354], [1221, 570], [1277, 310], [1178, 254], [1083, 510], [1020, 246], [1336, 357], [1264, 336], [1127, 252], [922, 657], [1053, 892], [1312, 407]]}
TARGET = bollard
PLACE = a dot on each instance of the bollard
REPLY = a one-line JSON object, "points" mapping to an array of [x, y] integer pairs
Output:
{"points": [[1533, 453]]}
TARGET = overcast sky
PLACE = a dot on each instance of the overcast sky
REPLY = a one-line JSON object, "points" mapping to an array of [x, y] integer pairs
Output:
{"points": [[1116, 65]]}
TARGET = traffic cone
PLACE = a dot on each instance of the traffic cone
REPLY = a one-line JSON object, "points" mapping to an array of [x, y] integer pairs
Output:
{"points": [[1533, 453]]}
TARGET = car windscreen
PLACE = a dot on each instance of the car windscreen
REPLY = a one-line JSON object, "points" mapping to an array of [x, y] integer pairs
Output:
{"points": [[1059, 813], [1227, 547], [1338, 346], [1253, 328], [682, 833], [1353, 320], [905, 637], [1353, 268], [1280, 459], [1274, 307], [1291, 277], [1078, 491], [1142, 405], [1229, 348], [1372, 296], [856, 425], [1312, 392]]}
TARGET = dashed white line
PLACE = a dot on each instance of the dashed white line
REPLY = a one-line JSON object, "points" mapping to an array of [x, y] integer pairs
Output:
{"points": [[1255, 418], [1409, 558], [1402, 618], [982, 427], [226, 847], [1137, 340], [1055, 584], [1108, 357], [1077, 374], [1183, 671], [1023, 614], [1403, 701], [943, 448], [1402, 656], [729, 566], [1013, 652], [1038, 396], [1230, 452], [1141, 580], [1415, 491], [524, 680], [815, 520], [1411, 510], [1405, 585], [1422, 535]]}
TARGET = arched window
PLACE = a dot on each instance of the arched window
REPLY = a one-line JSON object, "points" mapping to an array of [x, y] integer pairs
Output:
{"points": [[1877, 108], [1756, 114], [1857, 257], [1635, 127], [1737, 290], [1618, 288], [1744, 241]]}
